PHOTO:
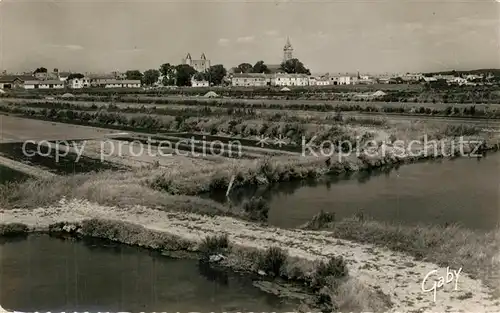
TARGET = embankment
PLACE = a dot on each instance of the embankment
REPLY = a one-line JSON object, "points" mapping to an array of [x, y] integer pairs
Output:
{"points": [[392, 274]]}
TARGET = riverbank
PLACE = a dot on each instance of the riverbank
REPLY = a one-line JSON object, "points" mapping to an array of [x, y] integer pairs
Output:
{"points": [[374, 274], [156, 187]]}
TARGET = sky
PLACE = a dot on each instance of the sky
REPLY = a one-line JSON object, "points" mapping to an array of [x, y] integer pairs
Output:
{"points": [[370, 36]]}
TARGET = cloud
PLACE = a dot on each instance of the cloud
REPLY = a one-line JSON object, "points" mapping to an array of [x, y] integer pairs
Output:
{"points": [[413, 26], [223, 41], [68, 46], [476, 21], [133, 50], [272, 33], [246, 39], [320, 35]]}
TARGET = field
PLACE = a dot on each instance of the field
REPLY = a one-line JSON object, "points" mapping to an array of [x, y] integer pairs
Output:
{"points": [[164, 191], [14, 129]]}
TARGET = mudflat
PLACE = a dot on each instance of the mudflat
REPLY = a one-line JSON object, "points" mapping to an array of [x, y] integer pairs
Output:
{"points": [[17, 129]]}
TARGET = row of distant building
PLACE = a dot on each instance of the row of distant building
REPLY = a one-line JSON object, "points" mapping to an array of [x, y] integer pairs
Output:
{"points": [[60, 80], [281, 79], [117, 80]]}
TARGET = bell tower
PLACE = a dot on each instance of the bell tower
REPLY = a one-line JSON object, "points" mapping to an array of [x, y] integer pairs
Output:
{"points": [[287, 50]]}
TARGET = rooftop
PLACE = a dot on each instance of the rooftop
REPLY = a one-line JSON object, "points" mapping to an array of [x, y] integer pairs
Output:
{"points": [[12, 78], [44, 82]]}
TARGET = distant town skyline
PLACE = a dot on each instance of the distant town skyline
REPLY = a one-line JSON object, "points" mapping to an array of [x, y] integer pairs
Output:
{"points": [[327, 36]]}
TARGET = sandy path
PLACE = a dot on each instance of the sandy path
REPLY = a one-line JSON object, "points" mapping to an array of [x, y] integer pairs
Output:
{"points": [[395, 274]]}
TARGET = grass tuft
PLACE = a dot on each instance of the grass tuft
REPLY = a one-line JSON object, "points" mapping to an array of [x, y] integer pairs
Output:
{"points": [[257, 209], [212, 245], [334, 269], [273, 260], [320, 220]]}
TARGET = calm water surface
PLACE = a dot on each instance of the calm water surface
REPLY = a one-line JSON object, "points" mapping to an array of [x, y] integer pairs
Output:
{"points": [[9, 175], [46, 274], [465, 191]]}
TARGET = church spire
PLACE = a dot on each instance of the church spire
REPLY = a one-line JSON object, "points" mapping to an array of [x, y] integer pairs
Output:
{"points": [[287, 50]]}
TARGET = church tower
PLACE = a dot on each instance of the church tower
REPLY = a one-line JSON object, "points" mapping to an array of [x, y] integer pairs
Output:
{"points": [[287, 50]]}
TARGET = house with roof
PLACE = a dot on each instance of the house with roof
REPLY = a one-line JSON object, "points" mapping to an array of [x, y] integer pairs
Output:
{"points": [[290, 80], [251, 80], [78, 83], [14, 81], [43, 84], [63, 76], [116, 83]]}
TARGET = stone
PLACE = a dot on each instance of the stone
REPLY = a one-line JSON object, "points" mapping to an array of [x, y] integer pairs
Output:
{"points": [[216, 258]]}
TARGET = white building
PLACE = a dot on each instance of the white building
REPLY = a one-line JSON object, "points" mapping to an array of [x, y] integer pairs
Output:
{"points": [[290, 80], [319, 80], [340, 80], [78, 83], [458, 81], [115, 83], [43, 84], [251, 80], [199, 83], [430, 79]]}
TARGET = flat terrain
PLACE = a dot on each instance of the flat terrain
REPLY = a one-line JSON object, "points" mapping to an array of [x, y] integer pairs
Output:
{"points": [[479, 122], [16, 129], [280, 102]]}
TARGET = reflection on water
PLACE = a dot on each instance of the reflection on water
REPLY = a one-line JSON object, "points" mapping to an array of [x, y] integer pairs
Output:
{"points": [[464, 191], [47, 274], [9, 175], [45, 157]]}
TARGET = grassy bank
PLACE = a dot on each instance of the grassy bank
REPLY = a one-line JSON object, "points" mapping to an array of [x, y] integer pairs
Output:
{"points": [[325, 281], [448, 245], [156, 187]]}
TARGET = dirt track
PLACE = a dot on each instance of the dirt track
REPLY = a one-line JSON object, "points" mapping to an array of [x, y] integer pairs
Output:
{"points": [[395, 274]]}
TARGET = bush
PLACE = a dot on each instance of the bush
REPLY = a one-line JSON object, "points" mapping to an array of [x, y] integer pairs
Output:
{"points": [[335, 268], [320, 220], [257, 209], [214, 245], [13, 229], [273, 260]]}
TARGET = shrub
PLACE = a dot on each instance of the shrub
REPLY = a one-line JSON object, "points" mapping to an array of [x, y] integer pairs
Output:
{"points": [[333, 269], [13, 229], [273, 260], [320, 220], [211, 245], [257, 209]]}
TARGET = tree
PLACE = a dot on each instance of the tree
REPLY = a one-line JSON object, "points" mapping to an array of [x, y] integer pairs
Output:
{"points": [[260, 67], [216, 74], [133, 74], [75, 75], [294, 66], [200, 76], [244, 68], [168, 72], [41, 70], [150, 77], [183, 75]]}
